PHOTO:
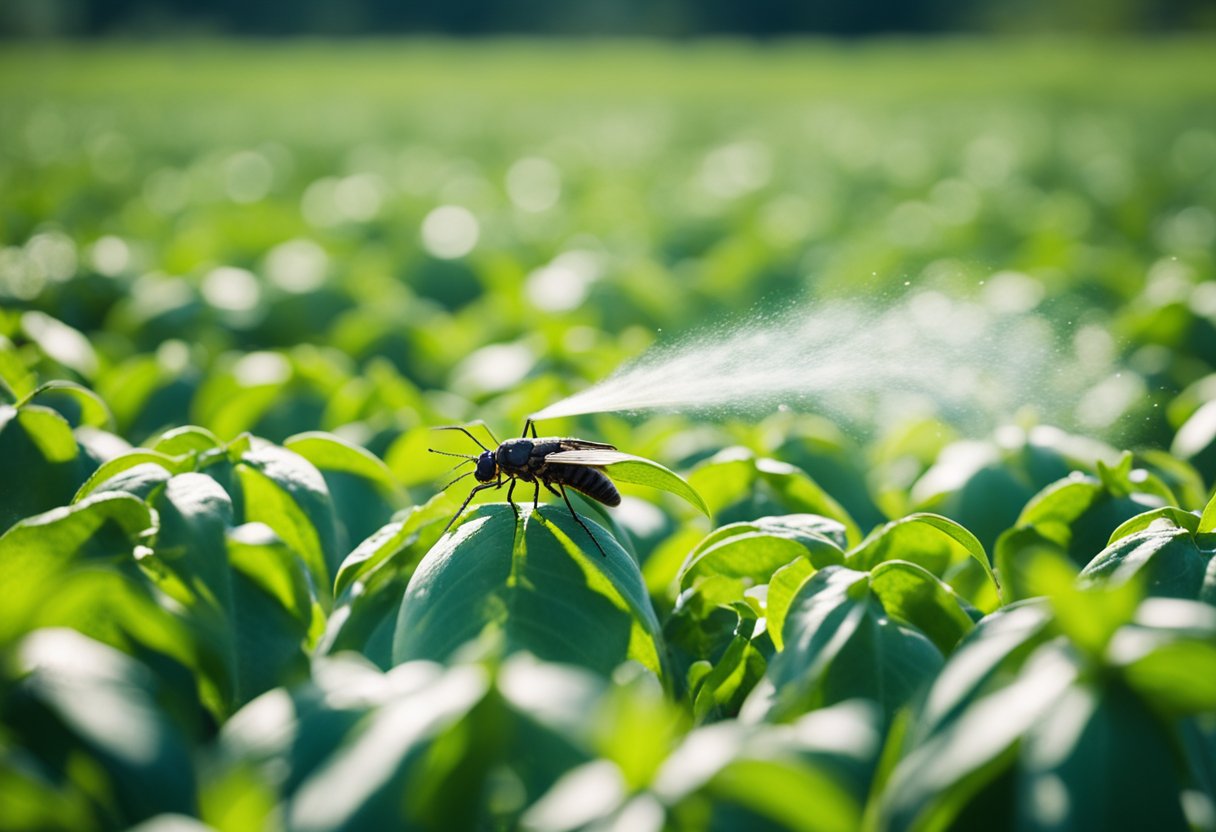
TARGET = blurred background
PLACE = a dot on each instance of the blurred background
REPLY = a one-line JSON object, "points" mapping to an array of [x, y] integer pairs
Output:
{"points": [[236, 216], [679, 18]]}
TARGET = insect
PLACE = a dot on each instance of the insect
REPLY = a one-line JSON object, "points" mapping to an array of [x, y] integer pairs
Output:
{"points": [[552, 461]]}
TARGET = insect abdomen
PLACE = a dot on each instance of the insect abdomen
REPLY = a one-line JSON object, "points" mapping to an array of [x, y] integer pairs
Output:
{"points": [[590, 481]]}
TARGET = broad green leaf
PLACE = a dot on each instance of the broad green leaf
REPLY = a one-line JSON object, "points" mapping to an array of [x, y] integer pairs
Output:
{"points": [[730, 775], [938, 544], [755, 550], [1107, 760], [1080, 513], [534, 584], [780, 793], [102, 707], [373, 579], [744, 487], [1179, 675], [332, 453], [92, 410], [1017, 551], [1155, 518], [840, 644], [185, 440], [35, 553], [41, 463], [913, 595], [361, 783], [995, 649], [781, 590], [722, 690], [1163, 556], [288, 494], [271, 613], [1207, 523], [108, 474], [961, 756]]}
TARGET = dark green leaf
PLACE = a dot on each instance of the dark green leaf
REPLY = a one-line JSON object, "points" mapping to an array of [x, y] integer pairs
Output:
{"points": [[535, 584]]}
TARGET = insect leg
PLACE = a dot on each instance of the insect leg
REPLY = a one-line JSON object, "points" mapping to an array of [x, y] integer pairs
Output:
{"points": [[579, 520], [458, 479], [510, 491], [536, 496], [529, 425], [466, 502]]}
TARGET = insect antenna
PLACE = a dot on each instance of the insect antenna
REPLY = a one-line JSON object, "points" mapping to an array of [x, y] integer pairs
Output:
{"points": [[468, 457], [458, 479], [465, 431]]}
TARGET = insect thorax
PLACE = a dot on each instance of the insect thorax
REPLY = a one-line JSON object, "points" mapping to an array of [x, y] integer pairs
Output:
{"points": [[514, 453]]}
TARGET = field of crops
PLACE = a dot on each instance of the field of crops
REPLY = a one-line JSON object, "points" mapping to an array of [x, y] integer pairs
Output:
{"points": [[241, 283]]}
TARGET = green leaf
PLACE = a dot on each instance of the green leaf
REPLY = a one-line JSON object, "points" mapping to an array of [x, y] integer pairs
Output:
{"points": [[1157, 518], [532, 584], [332, 453], [946, 769], [185, 440], [839, 644], [361, 784], [42, 463], [781, 589], [103, 708], [721, 691], [1163, 556], [153, 467], [1107, 759], [92, 410], [641, 471], [939, 545], [755, 550], [271, 613], [38, 551], [780, 792], [1179, 675], [373, 579], [1207, 523], [288, 494], [913, 595], [60, 342], [736, 483]]}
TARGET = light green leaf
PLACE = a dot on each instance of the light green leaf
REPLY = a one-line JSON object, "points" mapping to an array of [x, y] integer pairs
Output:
{"points": [[107, 474], [185, 440], [938, 544], [38, 551], [60, 342], [781, 589], [1207, 523], [1157, 518], [639, 471], [332, 453], [838, 645], [755, 550], [288, 494], [915, 596], [93, 411]]}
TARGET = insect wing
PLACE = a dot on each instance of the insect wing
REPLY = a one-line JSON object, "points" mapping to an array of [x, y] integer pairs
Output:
{"points": [[571, 444], [596, 456]]}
